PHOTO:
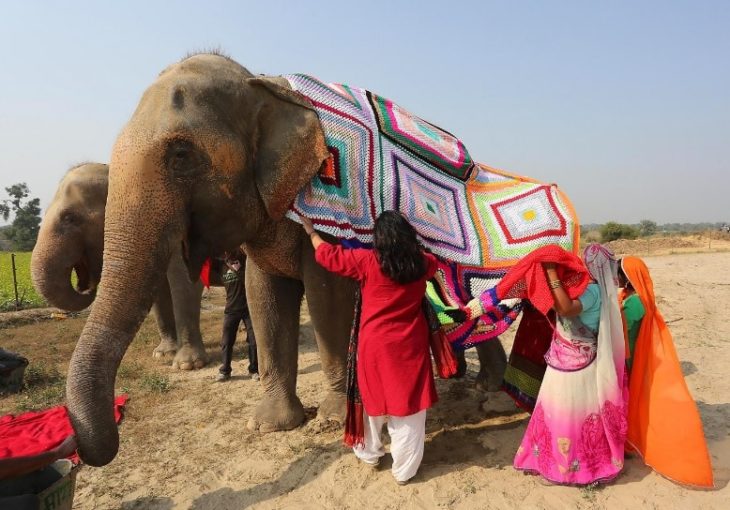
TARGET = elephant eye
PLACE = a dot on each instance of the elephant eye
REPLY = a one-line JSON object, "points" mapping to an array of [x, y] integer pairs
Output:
{"points": [[69, 218], [183, 159]]}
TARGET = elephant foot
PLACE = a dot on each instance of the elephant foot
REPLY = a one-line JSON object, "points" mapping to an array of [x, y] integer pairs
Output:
{"points": [[333, 407], [190, 358], [487, 382], [167, 349], [276, 413]]}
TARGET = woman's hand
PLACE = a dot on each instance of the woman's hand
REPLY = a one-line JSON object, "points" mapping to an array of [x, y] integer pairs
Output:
{"points": [[474, 309], [309, 229], [307, 224], [551, 270], [562, 302]]}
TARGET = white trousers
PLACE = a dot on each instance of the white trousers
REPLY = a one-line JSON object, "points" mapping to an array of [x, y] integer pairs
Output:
{"points": [[407, 437]]}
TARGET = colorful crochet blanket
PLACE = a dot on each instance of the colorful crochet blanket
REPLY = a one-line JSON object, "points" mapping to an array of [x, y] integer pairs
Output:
{"points": [[477, 220]]}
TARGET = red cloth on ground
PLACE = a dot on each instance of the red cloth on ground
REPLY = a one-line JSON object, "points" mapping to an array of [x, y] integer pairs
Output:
{"points": [[36, 432], [527, 279], [394, 363]]}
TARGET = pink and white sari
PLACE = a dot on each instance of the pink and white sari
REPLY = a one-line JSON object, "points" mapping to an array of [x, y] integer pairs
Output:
{"points": [[576, 433]]}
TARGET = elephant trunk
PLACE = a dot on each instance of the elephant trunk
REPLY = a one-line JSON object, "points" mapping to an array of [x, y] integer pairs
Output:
{"points": [[52, 262], [90, 392], [138, 236], [128, 284]]}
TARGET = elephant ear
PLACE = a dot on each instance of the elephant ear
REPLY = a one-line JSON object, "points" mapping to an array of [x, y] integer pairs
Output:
{"points": [[291, 146]]}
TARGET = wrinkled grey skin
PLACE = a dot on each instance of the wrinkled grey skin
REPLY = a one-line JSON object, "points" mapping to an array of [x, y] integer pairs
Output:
{"points": [[71, 238], [211, 159], [492, 364]]}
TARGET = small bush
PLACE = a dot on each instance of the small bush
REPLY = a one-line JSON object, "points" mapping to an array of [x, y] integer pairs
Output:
{"points": [[156, 383], [613, 231], [648, 228]]}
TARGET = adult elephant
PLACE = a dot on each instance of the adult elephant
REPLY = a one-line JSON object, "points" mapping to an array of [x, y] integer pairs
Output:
{"points": [[71, 238], [211, 159]]}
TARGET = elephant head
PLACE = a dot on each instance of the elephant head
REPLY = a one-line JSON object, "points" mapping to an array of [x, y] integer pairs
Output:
{"points": [[71, 238], [211, 158]]}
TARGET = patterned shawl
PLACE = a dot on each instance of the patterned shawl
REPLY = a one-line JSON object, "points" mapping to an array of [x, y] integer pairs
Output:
{"points": [[477, 220]]}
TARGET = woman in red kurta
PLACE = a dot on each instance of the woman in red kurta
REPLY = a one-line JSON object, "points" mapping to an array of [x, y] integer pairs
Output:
{"points": [[394, 364]]}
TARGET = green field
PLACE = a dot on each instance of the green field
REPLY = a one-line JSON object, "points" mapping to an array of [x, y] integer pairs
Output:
{"points": [[26, 293]]}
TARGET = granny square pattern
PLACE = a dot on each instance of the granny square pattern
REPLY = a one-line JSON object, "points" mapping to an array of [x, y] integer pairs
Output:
{"points": [[477, 220], [442, 149]]}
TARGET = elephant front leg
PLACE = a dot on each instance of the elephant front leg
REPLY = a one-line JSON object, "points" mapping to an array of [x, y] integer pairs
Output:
{"points": [[274, 304], [165, 318], [493, 363], [186, 304], [331, 301]]}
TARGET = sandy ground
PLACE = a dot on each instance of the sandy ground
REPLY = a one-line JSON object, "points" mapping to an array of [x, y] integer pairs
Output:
{"points": [[184, 443]]}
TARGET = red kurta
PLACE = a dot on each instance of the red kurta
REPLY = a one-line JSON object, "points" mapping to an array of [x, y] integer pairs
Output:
{"points": [[394, 361]]}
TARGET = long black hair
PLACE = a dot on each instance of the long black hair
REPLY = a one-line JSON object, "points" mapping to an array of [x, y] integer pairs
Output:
{"points": [[623, 280], [398, 250]]}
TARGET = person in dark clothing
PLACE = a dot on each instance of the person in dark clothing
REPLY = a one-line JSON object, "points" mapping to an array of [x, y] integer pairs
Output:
{"points": [[233, 275]]}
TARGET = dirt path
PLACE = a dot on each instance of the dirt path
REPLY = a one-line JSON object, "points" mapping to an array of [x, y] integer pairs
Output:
{"points": [[184, 443]]}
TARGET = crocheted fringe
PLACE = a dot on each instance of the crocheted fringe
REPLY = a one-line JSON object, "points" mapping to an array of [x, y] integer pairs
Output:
{"points": [[443, 354], [354, 422], [354, 425]]}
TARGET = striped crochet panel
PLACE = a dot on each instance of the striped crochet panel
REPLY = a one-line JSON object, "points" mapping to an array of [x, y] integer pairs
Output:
{"points": [[477, 220]]}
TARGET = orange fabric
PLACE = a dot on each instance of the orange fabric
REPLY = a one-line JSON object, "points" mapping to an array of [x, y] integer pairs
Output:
{"points": [[664, 424]]}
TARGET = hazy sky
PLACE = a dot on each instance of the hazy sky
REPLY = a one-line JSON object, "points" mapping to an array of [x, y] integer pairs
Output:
{"points": [[626, 105]]}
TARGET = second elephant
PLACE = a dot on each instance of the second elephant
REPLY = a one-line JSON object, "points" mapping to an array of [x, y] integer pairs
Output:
{"points": [[71, 238]]}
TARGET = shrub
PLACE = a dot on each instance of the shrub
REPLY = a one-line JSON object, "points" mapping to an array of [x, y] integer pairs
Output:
{"points": [[156, 383], [612, 231], [647, 228]]}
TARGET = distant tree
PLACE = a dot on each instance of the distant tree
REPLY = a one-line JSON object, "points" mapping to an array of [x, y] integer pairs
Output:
{"points": [[591, 236], [612, 231], [647, 228], [24, 229]]}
